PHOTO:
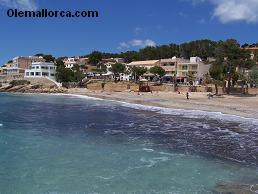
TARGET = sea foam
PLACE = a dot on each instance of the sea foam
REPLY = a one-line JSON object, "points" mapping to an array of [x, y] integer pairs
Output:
{"points": [[175, 111], [191, 113]]}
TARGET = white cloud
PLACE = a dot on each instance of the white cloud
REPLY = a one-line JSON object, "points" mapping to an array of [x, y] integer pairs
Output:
{"points": [[137, 43], [123, 45], [19, 4], [237, 10], [234, 10]]}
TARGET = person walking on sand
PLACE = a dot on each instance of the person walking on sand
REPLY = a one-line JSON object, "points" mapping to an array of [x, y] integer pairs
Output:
{"points": [[187, 95]]}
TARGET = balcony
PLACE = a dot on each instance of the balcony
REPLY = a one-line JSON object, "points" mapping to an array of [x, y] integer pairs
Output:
{"points": [[169, 68]]}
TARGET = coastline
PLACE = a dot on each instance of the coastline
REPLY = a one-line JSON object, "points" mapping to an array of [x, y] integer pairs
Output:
{"points": [[245, 107], [197, 105]]}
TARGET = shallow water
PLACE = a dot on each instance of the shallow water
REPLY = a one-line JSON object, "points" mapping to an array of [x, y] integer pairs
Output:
{"points": [[65, 144]]}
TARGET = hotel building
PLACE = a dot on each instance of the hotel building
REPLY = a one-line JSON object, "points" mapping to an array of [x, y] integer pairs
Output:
{"points": [[178, 67], [41, 69], [16, 69]]}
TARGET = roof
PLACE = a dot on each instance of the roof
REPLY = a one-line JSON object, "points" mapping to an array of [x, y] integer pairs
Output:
{"points": [[148, 74], [150, 62], [181, 60], [168, 60], [252, 48], [42, 63]]}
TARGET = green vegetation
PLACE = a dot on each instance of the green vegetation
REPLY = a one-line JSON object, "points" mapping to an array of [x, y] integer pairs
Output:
{"points": [[138, 71], [68, 75], [158, 71], [229, 56], [101, 69], [202, 48], [253, 77], [217, 74], [95, 58], [117, 68], [77, 75], [48, 58]]}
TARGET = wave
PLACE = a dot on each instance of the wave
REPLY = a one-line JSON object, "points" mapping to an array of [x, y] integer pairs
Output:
{"points": [[191, 113], [1, 125], [81, 96], [174, 111]]}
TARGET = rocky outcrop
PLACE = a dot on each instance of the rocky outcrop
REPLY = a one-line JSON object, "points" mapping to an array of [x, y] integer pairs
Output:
{"points": [[29, 88], [233, 188], [44, 81]]}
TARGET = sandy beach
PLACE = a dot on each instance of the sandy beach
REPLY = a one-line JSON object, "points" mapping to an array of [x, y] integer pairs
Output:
{"points": [[244, 106]]}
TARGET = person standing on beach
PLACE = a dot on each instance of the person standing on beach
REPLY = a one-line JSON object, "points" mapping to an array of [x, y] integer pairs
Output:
{"points": [[187, 95]]}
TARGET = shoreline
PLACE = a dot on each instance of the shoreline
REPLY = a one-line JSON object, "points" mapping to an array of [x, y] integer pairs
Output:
{"points": [[199, 102], [244, 107]]}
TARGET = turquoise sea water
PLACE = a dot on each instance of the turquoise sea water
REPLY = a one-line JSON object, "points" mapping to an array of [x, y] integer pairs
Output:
{"points": [[65, 144]]}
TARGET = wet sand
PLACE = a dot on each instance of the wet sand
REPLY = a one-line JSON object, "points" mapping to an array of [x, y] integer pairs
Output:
{"points": [[244, 106]]}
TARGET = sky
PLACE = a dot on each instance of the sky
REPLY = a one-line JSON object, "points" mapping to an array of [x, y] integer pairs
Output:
{"points": [[123, 25]]}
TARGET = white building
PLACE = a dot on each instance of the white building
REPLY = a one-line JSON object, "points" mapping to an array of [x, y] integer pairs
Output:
{"points": [[194, 67], [122, 76], [70, 62], [125, 77], [41, 69]]}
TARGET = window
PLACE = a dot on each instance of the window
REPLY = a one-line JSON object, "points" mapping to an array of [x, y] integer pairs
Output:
{"points": [[45, 74], [184, 67], [51, 67], [52, 74], [33, 67], [37, 67], [194, 67], [32, 73], [27, 74], [37, 73]]}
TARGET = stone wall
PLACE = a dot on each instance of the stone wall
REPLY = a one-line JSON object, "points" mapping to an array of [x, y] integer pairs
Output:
{"points": [[117, 87], [134, 87], [253, 90], [127, 86], [112, 87], [162, 88], [96, 86]]}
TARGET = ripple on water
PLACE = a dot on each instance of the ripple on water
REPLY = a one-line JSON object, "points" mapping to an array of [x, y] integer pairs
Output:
{"points": [[102, 147]]}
